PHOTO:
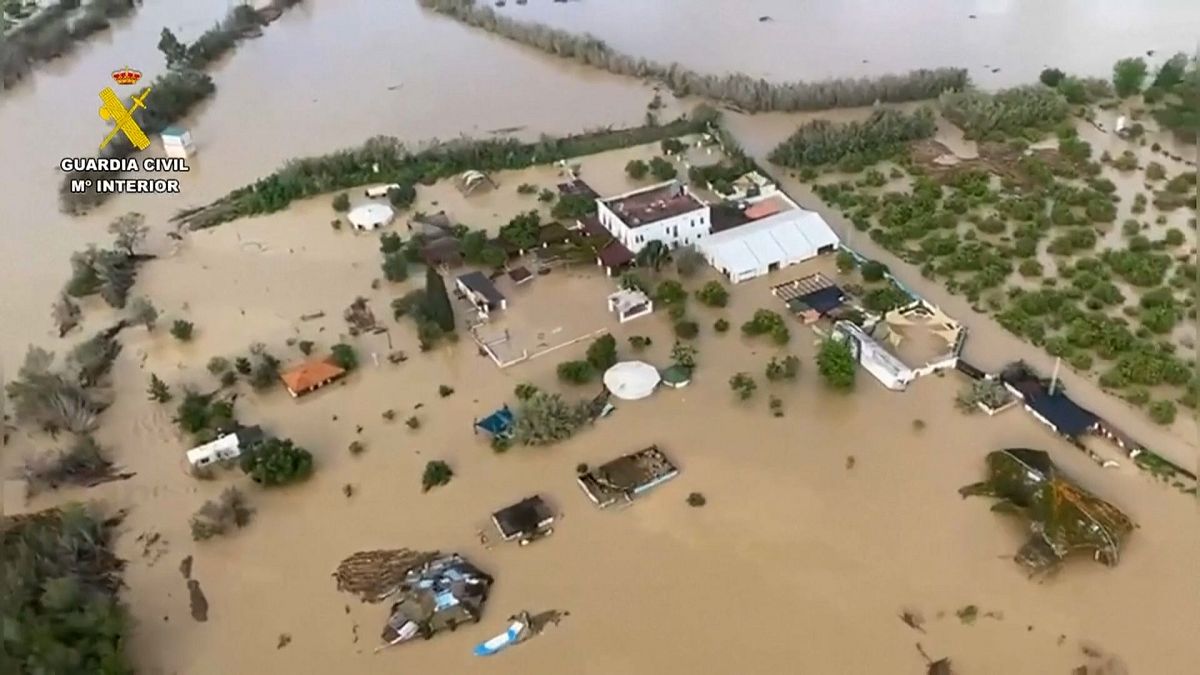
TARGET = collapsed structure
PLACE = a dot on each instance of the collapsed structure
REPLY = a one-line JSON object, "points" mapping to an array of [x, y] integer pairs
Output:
{"points": [[1063, 516], [440, 594]]}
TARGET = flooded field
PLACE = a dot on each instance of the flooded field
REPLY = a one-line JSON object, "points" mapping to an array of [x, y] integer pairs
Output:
{"points": [[845, 510]]}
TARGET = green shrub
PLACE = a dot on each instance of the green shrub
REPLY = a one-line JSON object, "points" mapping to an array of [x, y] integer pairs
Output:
{"points": [[277, 462], [767, 322], [1163, 412], [743, 385], [720, 325], [182, 330], [713, 294], [836, 364], [787, 368], [602, 353], [686, 330], [1030, 268], [873, 270], [341, 202], [639, 342], [436, 474], [637, 169], [576, 372], [662, 169]]}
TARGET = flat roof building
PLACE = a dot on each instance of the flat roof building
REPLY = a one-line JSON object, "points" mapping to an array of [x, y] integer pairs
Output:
{"points": [[667, 212]]}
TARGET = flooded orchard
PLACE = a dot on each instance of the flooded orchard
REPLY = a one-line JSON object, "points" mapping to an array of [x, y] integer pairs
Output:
{"points": [[845, 508]]}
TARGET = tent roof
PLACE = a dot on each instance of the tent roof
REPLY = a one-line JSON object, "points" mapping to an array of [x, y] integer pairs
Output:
{"points": [[631, 380], [790, 235], [371, 215]]}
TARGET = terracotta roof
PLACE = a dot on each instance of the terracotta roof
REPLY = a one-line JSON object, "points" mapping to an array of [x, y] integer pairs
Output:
{"points": [[767, 207], [310, 375]]}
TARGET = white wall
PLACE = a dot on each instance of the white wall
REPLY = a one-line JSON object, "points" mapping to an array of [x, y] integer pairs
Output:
{"points": [[682, 230]]}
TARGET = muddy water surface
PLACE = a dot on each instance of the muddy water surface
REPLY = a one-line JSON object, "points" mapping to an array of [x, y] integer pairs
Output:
{"points": [[795, 563]]}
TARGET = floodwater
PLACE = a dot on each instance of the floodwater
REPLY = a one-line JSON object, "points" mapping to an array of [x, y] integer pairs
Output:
{"points": [[1001, 42], [796, 562]]}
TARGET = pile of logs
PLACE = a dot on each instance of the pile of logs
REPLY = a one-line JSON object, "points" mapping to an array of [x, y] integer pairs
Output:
{"points": [[374, 575]]}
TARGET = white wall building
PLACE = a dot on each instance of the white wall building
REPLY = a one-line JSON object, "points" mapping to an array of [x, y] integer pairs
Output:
{"points": [[762, 246], [666, 212], [873, 357]]}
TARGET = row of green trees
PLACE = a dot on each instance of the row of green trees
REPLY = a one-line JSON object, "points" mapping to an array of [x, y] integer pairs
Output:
{"points": [[1028, 110], [175, 93], [741, 90], [54, 31], [396, 163], [878, 137]]}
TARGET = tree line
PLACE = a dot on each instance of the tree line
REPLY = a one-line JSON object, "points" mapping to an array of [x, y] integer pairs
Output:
{"points": [[176, 92], [748, 93], [310, 176], [821, 142], [54, 31]]}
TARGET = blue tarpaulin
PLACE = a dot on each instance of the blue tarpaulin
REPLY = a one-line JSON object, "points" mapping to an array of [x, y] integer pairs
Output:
{"points": [[498, 423]]}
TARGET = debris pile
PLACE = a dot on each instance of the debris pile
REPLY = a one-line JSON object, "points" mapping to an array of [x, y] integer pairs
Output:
{"points": [[374, 575]]}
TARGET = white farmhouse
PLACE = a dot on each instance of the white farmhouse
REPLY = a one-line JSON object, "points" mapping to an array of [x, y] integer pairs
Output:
{"points": [[666, 212]]}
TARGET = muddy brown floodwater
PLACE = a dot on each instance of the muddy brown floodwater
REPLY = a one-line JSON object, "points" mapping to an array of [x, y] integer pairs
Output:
{"points": [[820, 528]]}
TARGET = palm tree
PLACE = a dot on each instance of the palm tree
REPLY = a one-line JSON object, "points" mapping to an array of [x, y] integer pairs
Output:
{"points": [[653, 255]]}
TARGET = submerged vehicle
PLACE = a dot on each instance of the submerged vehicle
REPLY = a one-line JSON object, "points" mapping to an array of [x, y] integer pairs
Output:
{"points": [[1063, 517]]}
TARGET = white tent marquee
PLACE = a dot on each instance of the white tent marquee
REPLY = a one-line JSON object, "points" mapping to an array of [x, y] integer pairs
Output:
{"points": [[631, 380], [371, 216], [756, 248]]}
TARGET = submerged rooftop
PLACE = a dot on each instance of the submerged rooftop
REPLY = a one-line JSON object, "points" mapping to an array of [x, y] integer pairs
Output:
{"points": [[653, 204], [627, 476]]}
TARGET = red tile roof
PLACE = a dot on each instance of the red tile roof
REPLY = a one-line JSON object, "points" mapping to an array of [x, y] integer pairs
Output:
{"points": [[767, 207], [310, 375]]}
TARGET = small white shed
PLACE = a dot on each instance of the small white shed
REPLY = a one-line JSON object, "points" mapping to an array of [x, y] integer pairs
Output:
{"points": [[177, 142], [371, 216], [629, 304]]}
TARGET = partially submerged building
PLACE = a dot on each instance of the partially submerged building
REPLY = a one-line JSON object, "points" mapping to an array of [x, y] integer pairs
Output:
{"points": [[441, 594], [873, 357], [629, 304], [481, 293], [754, 238], [527, 520], [627, 477], [1063, 517], [310, 376], [666, 212], [810, 298], [1048, 402]]}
